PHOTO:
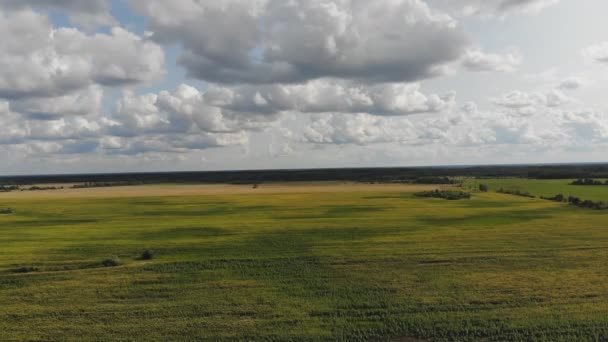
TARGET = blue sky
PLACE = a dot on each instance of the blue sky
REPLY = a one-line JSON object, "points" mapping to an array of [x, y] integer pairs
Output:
{"points": [[134, 85]]}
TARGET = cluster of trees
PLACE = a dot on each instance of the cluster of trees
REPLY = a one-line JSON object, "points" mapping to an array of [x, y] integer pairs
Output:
{"points": [[6, 211], [578, 202], [556, 198], [445, 194], [8, 188], [86, 185], [434, 180], [587, 203], [588, 181], [42, 188], [515, 192]]}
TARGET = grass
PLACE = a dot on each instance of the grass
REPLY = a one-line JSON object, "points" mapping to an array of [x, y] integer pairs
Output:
{"points": [[545, 188], [304, 266]]}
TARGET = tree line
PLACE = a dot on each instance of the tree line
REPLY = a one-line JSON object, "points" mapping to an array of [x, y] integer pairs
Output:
{"points": [[8, 188], [451, 195], [86, 185], [515, 192], [573, 200], [588, 181]]}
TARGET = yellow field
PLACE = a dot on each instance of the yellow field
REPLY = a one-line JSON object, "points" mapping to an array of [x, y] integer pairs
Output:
{"points": [[300, 262], [209, 189]]}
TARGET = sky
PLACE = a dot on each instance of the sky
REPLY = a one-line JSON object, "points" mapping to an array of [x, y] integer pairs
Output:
{"points": [[156, 85]]}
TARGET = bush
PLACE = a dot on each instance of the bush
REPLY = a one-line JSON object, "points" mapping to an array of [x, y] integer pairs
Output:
{"points": [[515, 193], [588, 181], [7, 211], [483, 187], [25, 270], [579, 202], [147, 255], [112, 262], [557, 198], [445, 194]]}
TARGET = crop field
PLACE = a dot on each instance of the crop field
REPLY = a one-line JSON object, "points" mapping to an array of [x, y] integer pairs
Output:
{"points": [[303, 262]]}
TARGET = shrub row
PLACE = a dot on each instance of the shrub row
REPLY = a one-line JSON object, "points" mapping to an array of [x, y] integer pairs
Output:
{"points": [[6, 211], [445, 194], [434, 180], [578, 202], [104, 184], [515, 193], [8, 188], [588, 181]]}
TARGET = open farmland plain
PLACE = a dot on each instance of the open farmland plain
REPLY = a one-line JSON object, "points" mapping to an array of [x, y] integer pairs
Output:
{"points": [[300, 262]]}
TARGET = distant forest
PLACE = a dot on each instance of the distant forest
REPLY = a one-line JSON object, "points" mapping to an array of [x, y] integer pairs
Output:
{"points": [[386, 175]]}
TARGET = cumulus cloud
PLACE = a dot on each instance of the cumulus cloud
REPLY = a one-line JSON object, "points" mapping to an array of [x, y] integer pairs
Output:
{"points": [[89, 13], [325, 95], [40, 61], [172, 143], [571, 83], [273, 41], [181, 111], [494, 8], [525, 102], [79, 103], [585, 125], [597, 52], [15, 129], [359, 129], [174, 121], [553, 125], [169, 121], [477, 60]]}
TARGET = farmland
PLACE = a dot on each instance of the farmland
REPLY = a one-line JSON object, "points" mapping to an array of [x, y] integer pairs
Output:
{"points": [[545, 188], [322, 261]]}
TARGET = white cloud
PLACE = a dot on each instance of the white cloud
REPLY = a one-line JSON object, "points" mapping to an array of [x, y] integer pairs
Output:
{"points": [[83, 103], [477, 60], [319, 96], [174, 121], [521, 101], [571, 83], [85, 13], [494, 8], [359, 129], [388, 40], [40, 61], [585, 125], [597, 52]]}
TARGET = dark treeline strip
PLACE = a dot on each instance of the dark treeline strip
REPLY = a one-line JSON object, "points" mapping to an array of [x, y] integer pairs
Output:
{"points": [[105, 184], [515, 193], [572, 200], [353, 174], [434, 180], [42, 188], [588, 181], [8, 188], [451, 195]]}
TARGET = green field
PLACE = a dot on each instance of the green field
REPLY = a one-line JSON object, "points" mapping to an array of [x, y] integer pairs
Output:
{"points": [[305, 266], [545, 188]]}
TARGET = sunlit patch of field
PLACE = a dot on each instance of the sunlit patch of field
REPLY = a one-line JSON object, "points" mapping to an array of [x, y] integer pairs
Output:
{"points": [[290, 263]]}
